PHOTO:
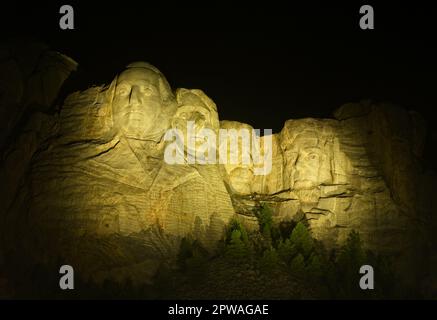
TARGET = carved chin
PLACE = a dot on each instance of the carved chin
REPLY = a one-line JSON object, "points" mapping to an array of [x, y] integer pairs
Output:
{"points": [[136, 127], [136, 131]]}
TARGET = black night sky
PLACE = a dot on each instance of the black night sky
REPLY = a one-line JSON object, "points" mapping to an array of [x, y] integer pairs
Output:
{"points": [[261, 64]]}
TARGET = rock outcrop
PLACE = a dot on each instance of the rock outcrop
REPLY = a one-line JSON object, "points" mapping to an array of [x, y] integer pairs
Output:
{"points": [[359, 171], [31, 76], [328, 172], [98, 193], [90, 185]]}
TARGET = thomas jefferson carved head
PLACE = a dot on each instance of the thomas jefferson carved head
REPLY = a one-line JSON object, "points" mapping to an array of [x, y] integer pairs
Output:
{"points": [[197, 109]]}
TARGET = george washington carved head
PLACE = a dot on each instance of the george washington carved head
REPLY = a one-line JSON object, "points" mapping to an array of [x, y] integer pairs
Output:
{"points": [[142, 102]]}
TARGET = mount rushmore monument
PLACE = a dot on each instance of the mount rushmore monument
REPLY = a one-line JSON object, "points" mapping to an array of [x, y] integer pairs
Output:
{"points": [[85, 181]]}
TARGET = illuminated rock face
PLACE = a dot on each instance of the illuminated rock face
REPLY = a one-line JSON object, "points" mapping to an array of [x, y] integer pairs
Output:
{"points": [[98, 194], [328, 172], [342, 175]]}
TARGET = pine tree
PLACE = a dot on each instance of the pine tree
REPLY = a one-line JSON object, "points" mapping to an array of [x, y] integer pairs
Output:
{"points": [[287, 251], [269, 261], [352, 254], [314, 267], [236, 248], [236, 225], [185, 252], [297, 265], [351, 257], [301, 238], [265, 216]]}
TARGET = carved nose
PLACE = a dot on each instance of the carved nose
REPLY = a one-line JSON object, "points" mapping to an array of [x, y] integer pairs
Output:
{"points": [[134, 97]]}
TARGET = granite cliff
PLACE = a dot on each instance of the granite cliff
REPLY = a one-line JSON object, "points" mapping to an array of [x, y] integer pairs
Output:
{"points": [[85, 181]]}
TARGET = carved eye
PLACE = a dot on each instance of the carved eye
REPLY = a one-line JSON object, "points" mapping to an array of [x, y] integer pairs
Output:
{"points": [[123, 90], [312, 156], [200, 123], [147, 91]]}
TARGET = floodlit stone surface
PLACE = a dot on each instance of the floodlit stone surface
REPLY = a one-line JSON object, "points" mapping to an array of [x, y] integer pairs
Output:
{"points": [[90, 186], [101, 194], [322, 172]]}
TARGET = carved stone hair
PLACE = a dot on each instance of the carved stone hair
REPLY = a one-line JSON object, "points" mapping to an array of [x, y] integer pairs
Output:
{"points": [[164, 87]]}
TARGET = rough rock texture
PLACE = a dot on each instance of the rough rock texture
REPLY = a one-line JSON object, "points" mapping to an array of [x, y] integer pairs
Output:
{"points": [[30, 78], [361, 171], [89, 186], [98, 193], [370, 154], [322, 172]]}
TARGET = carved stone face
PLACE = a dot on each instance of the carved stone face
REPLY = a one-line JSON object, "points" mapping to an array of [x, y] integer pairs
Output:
{"points": [[194, 118], [240, 174], [308, 166], [137, 102], [308, 153], [200, 118], [241, 179]]}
